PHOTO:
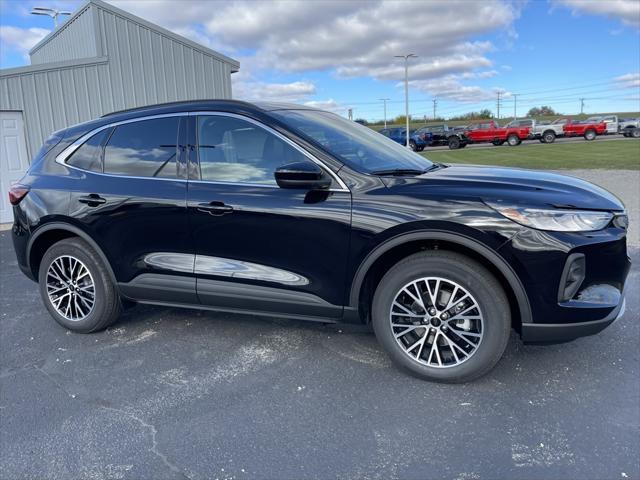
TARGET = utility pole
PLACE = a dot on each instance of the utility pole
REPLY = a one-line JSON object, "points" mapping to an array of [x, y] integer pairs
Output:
{"points": [[406, 90], [515, 103], [498, 104], [435, 104], [384, 100], [581, 106]]}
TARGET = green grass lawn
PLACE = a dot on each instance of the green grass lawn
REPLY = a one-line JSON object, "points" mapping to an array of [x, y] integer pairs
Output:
{"points": [[609, 154]]}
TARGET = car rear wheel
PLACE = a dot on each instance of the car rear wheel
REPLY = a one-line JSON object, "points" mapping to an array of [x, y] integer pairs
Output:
{"points": [[590, 135], [441, 316], [549, 137], [76, 287], [513, 140], [635, 133], [454, 143], [413, 145]]}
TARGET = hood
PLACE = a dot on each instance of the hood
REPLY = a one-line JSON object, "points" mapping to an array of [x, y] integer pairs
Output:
{"points": [[515, 185]]}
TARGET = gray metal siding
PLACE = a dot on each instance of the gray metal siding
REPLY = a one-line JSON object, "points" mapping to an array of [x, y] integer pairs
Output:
{"points": [[75, 39], [149, 67], [54, 99]]}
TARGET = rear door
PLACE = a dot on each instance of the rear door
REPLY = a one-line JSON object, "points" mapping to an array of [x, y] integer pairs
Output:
{"points": [[260, 247], [13, 158], [130, 195]]}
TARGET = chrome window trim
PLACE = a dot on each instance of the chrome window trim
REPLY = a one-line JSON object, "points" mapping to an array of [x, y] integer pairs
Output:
{"points": [[343, 186], [63, 156]]}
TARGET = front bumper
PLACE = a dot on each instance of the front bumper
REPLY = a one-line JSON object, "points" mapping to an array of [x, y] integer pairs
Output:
{"points": [[565, 332]]}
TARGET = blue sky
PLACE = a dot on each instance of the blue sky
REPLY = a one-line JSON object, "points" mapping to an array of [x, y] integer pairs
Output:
{"points": [[339, 55]]}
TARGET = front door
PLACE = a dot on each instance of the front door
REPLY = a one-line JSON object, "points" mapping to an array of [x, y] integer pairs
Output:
{"points": [[260, 247]]}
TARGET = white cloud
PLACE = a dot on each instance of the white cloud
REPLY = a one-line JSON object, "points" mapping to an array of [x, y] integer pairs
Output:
{"points": [[282, 92], [626, 10], [20, 40], [349, 38], [330, 105], [450, 88], [629, 80]]}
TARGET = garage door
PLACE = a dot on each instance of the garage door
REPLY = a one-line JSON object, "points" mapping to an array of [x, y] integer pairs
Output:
{"points": [[13, 158]]}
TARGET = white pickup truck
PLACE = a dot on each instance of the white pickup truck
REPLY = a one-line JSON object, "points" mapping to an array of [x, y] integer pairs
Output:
{"points": [[545, 132], [629, 126], [613, 125]]}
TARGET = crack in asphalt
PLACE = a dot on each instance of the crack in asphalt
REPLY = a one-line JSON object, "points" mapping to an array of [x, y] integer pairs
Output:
{"points": [[154, 442]]}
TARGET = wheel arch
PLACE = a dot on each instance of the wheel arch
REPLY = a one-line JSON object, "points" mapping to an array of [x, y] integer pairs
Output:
{"points": [[48, 234], [400, 246]]}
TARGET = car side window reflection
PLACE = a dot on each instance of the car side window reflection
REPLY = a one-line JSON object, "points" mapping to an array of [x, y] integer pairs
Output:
{"points": [[236, 151], [146, 148]]}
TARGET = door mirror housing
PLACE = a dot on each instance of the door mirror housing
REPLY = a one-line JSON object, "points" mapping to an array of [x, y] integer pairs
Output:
{"points": [[302, 175]]}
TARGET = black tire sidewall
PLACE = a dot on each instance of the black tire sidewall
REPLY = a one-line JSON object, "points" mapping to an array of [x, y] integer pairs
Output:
{"points": [[478, 282], [454, 143], [589, 135], [551, 139], [83, 252], [515, 142]]}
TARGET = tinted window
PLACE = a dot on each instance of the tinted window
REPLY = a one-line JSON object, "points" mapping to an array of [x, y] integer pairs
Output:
{"points": [[143, 149], [234, 150], [89, 155]]}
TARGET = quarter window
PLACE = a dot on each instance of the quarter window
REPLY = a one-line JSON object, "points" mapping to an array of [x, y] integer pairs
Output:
{"points": [[234, 150], [147, 148], [89, 155]]}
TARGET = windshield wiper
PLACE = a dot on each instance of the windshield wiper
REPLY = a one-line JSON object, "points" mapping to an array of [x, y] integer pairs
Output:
{"points": [[400, 171]]}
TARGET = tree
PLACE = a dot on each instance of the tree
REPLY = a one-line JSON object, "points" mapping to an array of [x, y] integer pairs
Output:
{"points": [[543, 111], [482, 114]]}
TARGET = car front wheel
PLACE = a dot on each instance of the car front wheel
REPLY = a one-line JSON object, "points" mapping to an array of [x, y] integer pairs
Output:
{"points": [[441, 316], [76, 287], [549, 137], [590, 135]]}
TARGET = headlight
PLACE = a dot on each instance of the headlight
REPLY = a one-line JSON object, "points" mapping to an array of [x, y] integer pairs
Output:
{"points": [[554, 219]]}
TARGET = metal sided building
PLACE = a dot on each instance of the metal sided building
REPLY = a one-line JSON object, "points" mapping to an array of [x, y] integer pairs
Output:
{"points": [[100, 60]]}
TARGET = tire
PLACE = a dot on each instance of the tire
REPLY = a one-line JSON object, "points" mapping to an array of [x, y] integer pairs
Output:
{"points": [[420, 149], [513, 140], [590, 135], [541, 140], [413, 145], [472, 278], [635, 133], [79, 316], [454, 143], [549, 136]]}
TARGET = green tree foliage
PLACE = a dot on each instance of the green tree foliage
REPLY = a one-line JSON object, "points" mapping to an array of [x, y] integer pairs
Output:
{"points": [[543, 111]]}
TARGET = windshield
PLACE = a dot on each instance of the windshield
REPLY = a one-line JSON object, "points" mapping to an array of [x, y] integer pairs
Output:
{"points": [[359, 147]]}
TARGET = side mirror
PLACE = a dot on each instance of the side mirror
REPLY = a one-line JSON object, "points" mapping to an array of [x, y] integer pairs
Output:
{"points": [[302, 175]]}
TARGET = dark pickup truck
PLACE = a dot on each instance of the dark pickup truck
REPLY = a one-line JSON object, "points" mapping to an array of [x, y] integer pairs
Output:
{"points": [[439, 135]]}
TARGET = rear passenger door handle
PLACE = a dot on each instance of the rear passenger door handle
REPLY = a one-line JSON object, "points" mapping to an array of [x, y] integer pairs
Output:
{"points": [[93, 200], [214, 208]]}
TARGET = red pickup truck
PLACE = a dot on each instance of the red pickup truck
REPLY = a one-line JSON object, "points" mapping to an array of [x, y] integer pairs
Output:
{"points": [[491, 131], [589, 130]]}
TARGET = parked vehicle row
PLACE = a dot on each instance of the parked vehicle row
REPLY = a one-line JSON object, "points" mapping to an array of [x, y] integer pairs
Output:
{"points": [[514, 132]]}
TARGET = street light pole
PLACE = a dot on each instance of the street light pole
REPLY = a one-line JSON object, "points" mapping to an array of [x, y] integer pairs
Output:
{"points": [[384, 101], [49, 12], [406, 91]]}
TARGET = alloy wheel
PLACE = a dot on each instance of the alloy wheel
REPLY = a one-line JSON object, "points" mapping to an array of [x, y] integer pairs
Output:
{"points": [[70, 288], [436, 322]]}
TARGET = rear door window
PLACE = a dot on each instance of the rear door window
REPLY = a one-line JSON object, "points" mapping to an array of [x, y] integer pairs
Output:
{"points": [[89, 155], [147, 148]]}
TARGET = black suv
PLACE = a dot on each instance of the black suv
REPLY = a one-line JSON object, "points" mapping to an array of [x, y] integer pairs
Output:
{"points": [[295, 212], [440, 135]]}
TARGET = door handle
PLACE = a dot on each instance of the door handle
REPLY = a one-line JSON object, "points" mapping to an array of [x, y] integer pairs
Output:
{"points": [[93, 200], [215, 208]]}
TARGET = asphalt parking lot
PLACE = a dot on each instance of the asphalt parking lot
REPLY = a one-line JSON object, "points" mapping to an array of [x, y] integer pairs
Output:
{"points": [[169, 393]]}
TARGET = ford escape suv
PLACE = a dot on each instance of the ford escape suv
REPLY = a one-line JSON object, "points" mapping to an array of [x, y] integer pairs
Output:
{"points": [[284, 210]]}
